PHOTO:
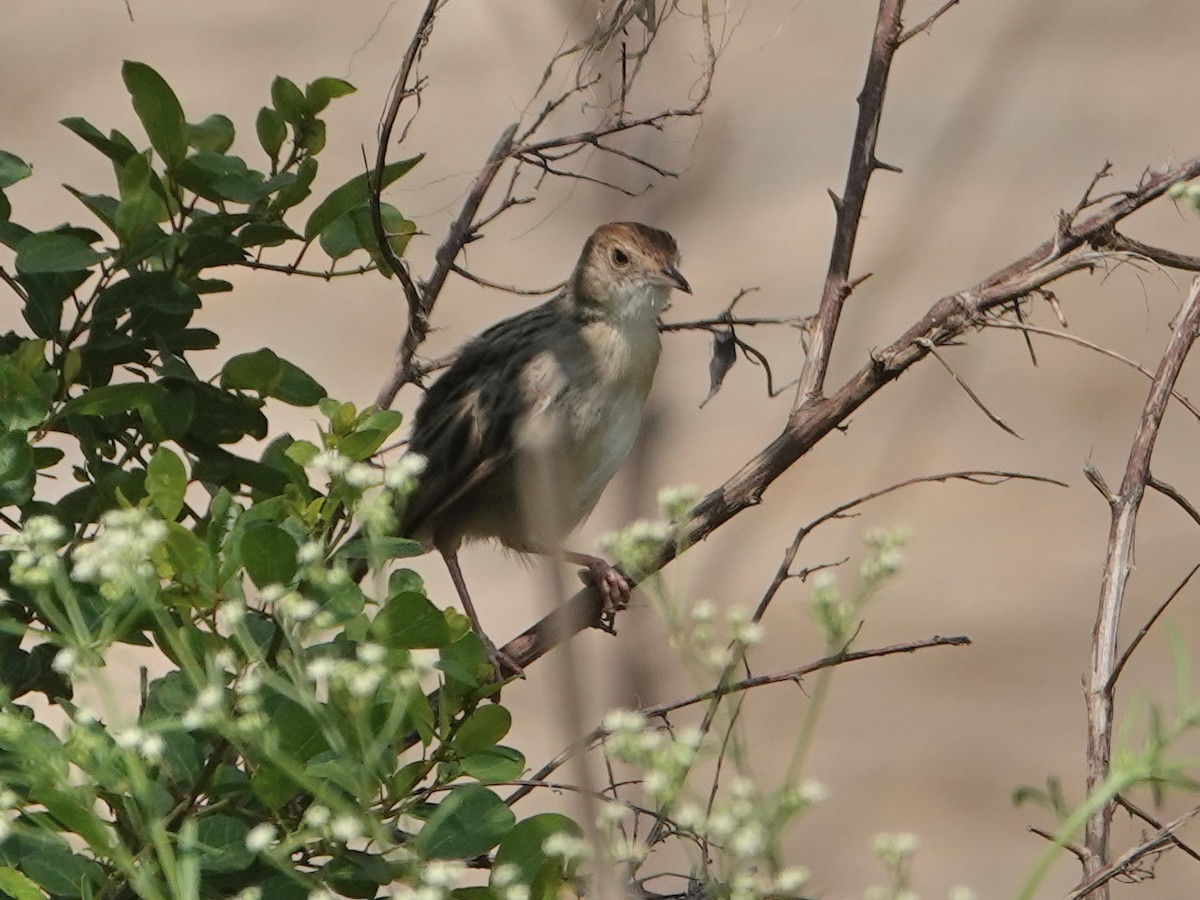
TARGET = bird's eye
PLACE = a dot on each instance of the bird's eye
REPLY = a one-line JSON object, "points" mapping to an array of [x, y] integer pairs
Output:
{"points": [[620, 257]]}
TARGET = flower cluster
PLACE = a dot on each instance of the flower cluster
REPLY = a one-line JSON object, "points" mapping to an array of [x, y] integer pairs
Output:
{"points": [[118, 558], [35, 551]]}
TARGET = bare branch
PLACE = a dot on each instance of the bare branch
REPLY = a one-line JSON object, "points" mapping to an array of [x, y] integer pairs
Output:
{"points": [[1172, 493], [400, 91], [1168, 258], [1101, 686], [461, 232], [1135, 810], [849, 206], [1153, 844]]}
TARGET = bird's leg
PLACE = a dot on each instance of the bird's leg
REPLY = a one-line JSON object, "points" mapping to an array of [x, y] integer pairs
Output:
{"points": [[611, 582], [504, 664]]}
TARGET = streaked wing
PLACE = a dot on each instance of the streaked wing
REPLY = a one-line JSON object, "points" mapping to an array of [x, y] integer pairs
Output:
{"points": [[465, 425]]}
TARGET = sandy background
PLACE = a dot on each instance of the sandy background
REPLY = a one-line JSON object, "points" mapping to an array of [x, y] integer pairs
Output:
{"points": [[998, 118]]}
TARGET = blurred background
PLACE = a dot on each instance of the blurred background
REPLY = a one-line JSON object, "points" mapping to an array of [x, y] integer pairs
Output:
{"points": [[999, 118]]}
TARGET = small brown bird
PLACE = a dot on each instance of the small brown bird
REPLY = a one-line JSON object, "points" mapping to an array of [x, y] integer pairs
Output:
{"points": [[524, 430]]}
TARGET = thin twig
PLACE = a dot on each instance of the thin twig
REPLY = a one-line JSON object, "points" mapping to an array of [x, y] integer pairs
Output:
{"points": [[928, 23], [1075, 339], [1141, 633], [1135, 810], [1173, 494], [1152, 844], [507, 288], [1004, 426], [975, 476], [662, 709]]}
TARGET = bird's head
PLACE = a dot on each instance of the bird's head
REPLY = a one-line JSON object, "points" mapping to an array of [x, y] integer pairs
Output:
{"points": [[627, 271]]}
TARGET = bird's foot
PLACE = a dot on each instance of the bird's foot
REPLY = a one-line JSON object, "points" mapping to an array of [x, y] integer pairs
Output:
{"points": [[503, 665], [613, 585]]}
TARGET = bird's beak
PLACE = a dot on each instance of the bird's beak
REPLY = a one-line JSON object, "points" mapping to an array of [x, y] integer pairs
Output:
{"points": [[675, 277]]}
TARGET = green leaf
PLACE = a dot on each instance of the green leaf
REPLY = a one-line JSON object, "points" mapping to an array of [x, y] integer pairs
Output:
{"points": [[340, 238], [111, 399], [494, 764], [63, 874], [187, 553], [141, 208], [470, 821], [115, 150], [159, 110], [14, 169], [289, 100], [350, 195], [17, 886], [259, 371], [408, 621], [272, 131], [52, 251], [17, 473], [397, 230], [102, 206], [522, 848], [5, 208], [215, 133], [269, 554], [166, 482], [296, 387], [321, 91], [222, 842], [483, 729]]}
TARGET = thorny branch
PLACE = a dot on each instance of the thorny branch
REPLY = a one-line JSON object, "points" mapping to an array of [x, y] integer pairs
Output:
{"points": [[948, 318], [1101, 686], [1098, 880], [849, 207], [530, 145]]}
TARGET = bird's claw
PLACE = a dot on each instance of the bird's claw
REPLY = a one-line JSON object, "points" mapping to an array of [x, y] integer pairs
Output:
{"points": [[614, 587], [503, 665]]}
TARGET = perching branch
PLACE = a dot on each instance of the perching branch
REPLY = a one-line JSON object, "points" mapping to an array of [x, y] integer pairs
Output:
{"points": [[948, 318]]}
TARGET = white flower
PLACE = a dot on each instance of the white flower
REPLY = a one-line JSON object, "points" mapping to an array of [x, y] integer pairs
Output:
{"points": [[151, 747], [623, 721], [400, 474], [791, 879], [689, 816], [330, 462], [118, 557], [442, 873], [260, 837], [363, 475], [231, 613], [319, 669], [505, 874], [564, 845], [317, 816], [346, 828], [703, 611], [748, 841], [812, 791], [371, 653], [65, 660], [310, 552], [516, 892]]}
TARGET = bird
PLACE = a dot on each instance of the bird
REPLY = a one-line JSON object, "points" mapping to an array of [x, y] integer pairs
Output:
{"points": [[523, 431]]}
